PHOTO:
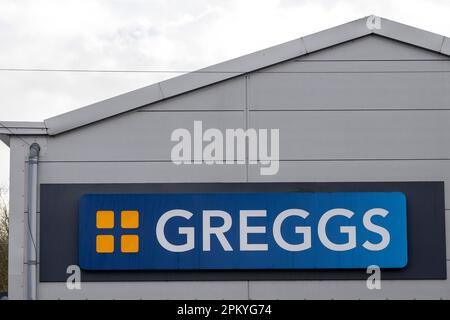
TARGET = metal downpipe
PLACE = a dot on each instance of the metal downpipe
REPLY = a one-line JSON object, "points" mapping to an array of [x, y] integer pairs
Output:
{"points": [[31, 263]]}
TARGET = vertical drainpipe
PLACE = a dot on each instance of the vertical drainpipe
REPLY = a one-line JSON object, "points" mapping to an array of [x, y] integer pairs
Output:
{"points": [[31, 263]]}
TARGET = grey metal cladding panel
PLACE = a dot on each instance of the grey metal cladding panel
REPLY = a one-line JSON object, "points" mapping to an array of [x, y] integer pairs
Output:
{"points": [[310, 135], [272, 91], [359, 171], [357, 289], [324, 290], [17, 200], [133, 136], [138, 172], [227, 95], [373, 47], [156, 290]]}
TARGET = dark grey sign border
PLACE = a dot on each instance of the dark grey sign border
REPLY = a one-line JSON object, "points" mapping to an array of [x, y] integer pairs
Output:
{"points": [[426, 231]]}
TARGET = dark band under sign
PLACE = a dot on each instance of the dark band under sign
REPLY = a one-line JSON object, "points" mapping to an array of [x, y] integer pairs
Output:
{"points": [[426, 254]]}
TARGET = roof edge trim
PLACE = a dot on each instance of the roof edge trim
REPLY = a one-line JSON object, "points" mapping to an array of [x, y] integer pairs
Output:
{"points": [[10, 128]]}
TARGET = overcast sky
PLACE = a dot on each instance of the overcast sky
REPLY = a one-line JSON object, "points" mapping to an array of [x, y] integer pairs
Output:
{"points": [[156, 35]]}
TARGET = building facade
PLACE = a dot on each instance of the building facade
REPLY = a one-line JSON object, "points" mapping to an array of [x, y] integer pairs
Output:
{"points": [[362, 107]]}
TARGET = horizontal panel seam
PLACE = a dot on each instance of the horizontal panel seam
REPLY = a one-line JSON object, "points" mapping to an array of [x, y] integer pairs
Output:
{"points": [[310, 109], [193, 110], [321, 109], [284, 160], [367, 60], [355, 72]]}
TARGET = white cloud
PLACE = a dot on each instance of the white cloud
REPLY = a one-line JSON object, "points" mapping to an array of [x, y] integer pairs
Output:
{"points": [[159, 34]]}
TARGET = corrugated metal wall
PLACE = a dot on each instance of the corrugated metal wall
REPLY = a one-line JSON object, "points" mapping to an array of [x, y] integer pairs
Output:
{"points": [[368, 110]]}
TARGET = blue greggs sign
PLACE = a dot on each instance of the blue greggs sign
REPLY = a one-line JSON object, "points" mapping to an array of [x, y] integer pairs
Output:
{"points": [[295, 230]]}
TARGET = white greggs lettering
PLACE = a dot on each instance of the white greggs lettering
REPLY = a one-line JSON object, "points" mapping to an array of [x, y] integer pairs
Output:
{"points": [[235, 147], [246, 229]]}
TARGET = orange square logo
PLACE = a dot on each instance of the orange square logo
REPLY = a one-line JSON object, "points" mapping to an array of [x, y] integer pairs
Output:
{"points": [[129, 219], [104, 244], [105, 219], [129, 243]]}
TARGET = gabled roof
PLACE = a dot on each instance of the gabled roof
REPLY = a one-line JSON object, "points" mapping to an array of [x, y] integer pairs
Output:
{"points": [[245, 64]]}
